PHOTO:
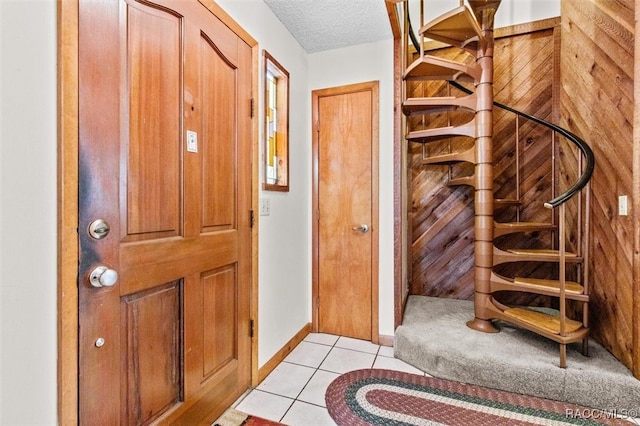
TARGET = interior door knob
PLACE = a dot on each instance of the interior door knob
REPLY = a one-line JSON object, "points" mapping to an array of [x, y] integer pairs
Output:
{"points": [[362, 228], [102, 276]]}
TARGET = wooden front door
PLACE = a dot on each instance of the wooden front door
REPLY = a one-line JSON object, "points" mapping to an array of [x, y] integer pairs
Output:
{"points": [[165, 199], [345, 149]]}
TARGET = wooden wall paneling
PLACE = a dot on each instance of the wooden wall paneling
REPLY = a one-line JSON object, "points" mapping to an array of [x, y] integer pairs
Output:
{"points": [[569, 173], [441, 216], [597, 101], [635, 208], [400, 279], [523, 80]]}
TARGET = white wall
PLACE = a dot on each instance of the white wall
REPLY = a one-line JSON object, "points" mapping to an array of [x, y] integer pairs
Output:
{"points": [[357, 64], [285, 273], [513, 12], [28, 213], [284, 235]]}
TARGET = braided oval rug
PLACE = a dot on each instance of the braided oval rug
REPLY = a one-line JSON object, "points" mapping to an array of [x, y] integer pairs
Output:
{"points": [[385, 397]]}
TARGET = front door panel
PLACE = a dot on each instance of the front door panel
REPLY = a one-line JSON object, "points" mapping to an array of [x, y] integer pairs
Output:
{"points": [[165, 156]]}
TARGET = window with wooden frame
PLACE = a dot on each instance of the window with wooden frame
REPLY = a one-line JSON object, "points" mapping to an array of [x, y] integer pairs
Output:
{"points": [[276, 131]]}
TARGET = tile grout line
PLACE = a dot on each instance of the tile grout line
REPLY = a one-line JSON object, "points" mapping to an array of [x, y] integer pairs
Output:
{"points": [[345, 346], [314, 373]]}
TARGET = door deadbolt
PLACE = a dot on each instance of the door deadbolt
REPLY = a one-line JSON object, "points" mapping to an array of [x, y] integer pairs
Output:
{"points": [[99, 229]]}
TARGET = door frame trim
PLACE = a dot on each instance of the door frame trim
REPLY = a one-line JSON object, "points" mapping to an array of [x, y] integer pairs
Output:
{"points": [[67, 210], [67, 247], [372, 86]]}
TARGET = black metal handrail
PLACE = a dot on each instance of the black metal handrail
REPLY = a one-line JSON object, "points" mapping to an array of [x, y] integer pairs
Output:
{"points": [[584, 148], [577, 141]]}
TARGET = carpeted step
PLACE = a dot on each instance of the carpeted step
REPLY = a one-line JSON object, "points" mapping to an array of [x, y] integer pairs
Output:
{"points": [[434, 338]]}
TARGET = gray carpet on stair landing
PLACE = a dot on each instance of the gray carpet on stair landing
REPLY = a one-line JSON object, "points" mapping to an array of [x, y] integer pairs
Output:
{"points": [[434, 338]]}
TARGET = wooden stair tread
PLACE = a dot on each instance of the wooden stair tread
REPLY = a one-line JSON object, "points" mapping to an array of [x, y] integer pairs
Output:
{"points": [[429, 67], [413, 106], [570, 286], [531, 255], [480, 5], [549, 323], [506, 202], [428, 135], [457, 27], [540, 252], [453, 157], [573, 290], [525, 224], [463, 180], [503, 228]]}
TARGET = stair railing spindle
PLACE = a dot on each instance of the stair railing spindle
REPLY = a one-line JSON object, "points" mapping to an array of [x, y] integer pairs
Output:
{"points": [[580, 212], [553, 171], [421, 24], [563, 308], [404, 60], [586, 263], [518, 194]]}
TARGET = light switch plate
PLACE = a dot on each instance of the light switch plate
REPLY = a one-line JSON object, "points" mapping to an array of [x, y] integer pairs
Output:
{"points": [[265, 207], [192, 141], [623, 206]]}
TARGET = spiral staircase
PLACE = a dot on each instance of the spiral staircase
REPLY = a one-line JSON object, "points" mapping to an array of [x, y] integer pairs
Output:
{"points": [[470, 29]]}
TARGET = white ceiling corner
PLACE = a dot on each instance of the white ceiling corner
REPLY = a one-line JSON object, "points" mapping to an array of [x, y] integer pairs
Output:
{"points": [[320, 25]]}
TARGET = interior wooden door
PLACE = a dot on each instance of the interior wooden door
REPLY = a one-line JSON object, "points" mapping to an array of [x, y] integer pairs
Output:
{"points": [[165, 199], [346, 206]]}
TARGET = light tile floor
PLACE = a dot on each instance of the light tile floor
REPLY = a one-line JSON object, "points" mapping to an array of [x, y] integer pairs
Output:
{"points": [[293, 393]]}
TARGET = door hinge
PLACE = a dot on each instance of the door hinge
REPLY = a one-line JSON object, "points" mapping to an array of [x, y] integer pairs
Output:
{"points": [[252, 218], [253, 107], [251, 328]]}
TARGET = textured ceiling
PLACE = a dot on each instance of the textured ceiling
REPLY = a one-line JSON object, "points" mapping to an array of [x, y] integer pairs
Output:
{"points": [[331, 24]]}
